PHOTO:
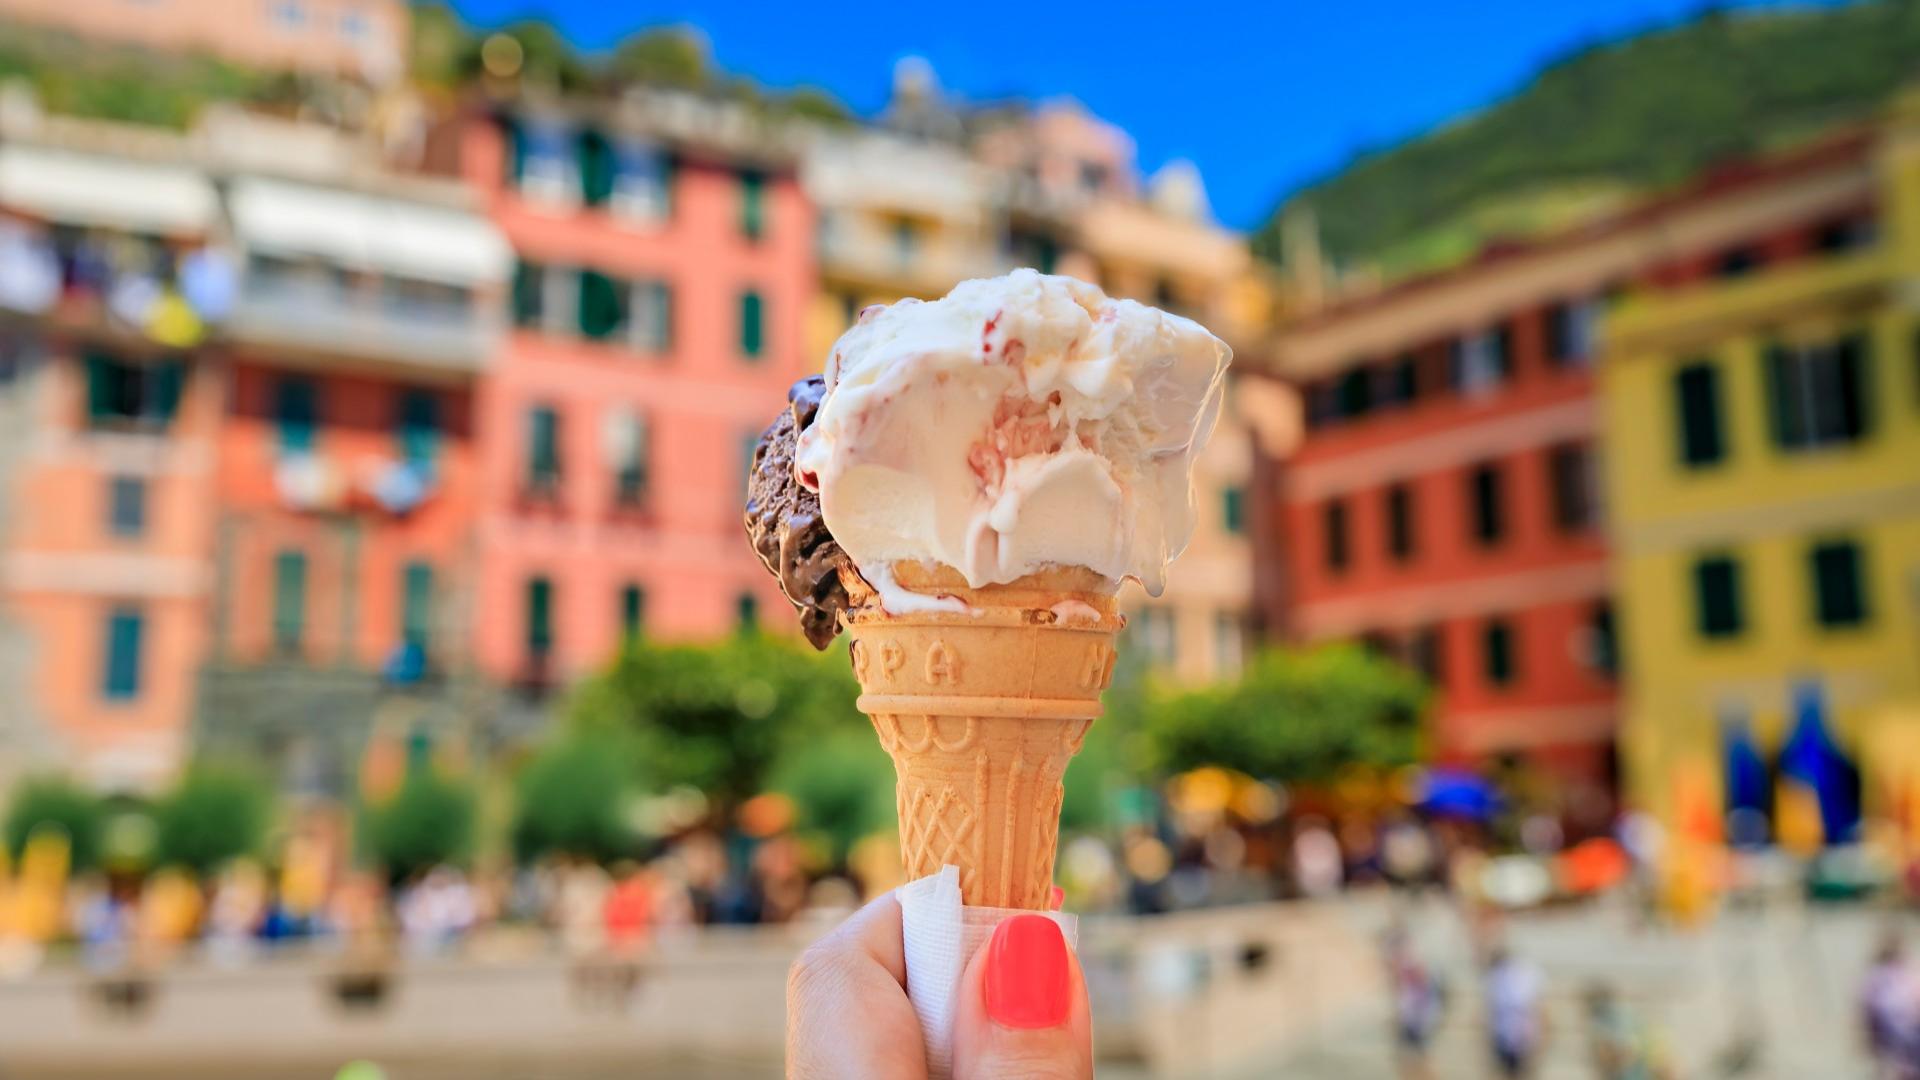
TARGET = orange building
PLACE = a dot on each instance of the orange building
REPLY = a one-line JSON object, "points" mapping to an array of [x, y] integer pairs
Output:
{"points": [[666, 260], [362, 38]]}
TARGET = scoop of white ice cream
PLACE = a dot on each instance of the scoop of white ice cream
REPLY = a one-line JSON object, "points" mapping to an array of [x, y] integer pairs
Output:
{"points": [[1020, 422]]}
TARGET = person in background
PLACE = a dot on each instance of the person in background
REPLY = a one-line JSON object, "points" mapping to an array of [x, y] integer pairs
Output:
{"points": [[1317, 869], [1888, 1012], [1417, 1003], [1515, 1024]]}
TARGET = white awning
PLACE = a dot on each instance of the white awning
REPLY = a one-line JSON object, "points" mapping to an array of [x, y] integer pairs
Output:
{"points": [[106, 192], [373, 233]]}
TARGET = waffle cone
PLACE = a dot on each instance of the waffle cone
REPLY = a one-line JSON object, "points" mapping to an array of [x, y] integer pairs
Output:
{"points": [[981, 712]]}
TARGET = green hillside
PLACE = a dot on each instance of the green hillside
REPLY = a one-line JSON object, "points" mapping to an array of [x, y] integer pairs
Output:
{"points": [[1642, 113]]}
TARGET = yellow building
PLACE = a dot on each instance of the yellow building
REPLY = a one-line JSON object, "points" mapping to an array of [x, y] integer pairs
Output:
{"points": [[1762, 423]]}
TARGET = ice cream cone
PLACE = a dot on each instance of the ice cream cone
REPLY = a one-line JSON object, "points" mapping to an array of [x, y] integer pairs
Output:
{"points": [[981, 711]]}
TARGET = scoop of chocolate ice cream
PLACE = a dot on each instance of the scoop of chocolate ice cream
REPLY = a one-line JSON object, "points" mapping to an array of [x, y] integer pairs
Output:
{"points": [[784, 522]]}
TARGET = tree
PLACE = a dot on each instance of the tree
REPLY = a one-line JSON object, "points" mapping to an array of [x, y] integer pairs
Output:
{"points": [[717, 716], [212, 815], [573, 797], [56, 802], [427, 822], [841, 785], [1295, 715], [673, 56]]}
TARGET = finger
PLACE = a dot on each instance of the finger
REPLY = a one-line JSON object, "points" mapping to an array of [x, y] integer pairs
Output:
{"points": [[1023, 1008], [847, 1011]]}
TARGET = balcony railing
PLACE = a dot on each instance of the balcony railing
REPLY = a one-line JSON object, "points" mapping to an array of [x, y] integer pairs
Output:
{"points": [[363, 323], [874, 258]]}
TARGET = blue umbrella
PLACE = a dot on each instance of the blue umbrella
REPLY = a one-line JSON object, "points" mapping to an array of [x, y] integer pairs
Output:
{"points": [[1458, 793], [1814, 759]]}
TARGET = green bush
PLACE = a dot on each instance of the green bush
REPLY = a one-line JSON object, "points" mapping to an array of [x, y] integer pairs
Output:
{"points": [[1295, 715], [841, 785], [60, 803], [213, 814], [573, 798], [429, 821]]}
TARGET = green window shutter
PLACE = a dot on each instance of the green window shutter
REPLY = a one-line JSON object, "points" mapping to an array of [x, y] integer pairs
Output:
{"points": [[416, 606], [1716, 597], [297, 409], [752, 316], [1788, 420], [753, 209], [597, 167], [1233, 510], [529, 293], [419, 428], [169, 381], [289, 600], [120, 677], [516, 152], [1839, 594], [543, 445], [747, 613], [1696, 393], [539, 617], [102, 383], [1854, 386], [633, 611], [603, 305], [1498, 661]]}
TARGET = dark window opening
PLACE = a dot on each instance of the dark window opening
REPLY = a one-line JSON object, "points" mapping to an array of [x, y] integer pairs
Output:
{"points": [[1334, 534], [1400, 543], [1838, 572], [1716, 596], [1696, 394]]}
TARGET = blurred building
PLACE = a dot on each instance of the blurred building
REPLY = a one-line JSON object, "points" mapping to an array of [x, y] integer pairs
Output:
{"points": [[111, 284], [1762, 412], [346, 488], [665, 268], [365, 39]]}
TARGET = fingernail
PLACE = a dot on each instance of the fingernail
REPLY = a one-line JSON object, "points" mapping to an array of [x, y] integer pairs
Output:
{"points": [[1055, 898], [1027, 982]]}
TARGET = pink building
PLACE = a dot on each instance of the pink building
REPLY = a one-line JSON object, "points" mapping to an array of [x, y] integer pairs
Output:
{"points": [[666, 258], [362, 38]]}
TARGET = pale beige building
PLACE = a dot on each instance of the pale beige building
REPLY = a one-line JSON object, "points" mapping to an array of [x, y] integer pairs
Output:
{"points": [[365, 39]]}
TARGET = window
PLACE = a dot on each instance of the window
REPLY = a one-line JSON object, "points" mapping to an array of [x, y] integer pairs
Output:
{"points": [[906, 241], [1838, 596], [1738, 262], [1818, 393], [1716, 596], [544, 163], [1485, 496], [1423, 653], [1570, 332], [746, 613], [418, 428], [1696, 401], [289, 14], [1603, 648], [596, 167], [642, 182], [1322, 405], [1233, 509], [633, 611], [753, 205], [543, 449], [1844, 234], [652, 316], [752, 340], [539, 618], [1400, 522], [416, 606], [1497, 660], [1400, 381], [529, 294], [133, 395], [1482, 360], [289, 600], [1333, 531], [126, 506], [1355, 393], [602, 306], [1229, 643], [120, 677], [1570, 468], [1153, 634], [355, 27], [627, 457], [296, 408]]}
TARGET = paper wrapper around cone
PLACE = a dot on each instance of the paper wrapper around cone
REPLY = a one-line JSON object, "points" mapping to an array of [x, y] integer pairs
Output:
{"points": [[981, 712]]}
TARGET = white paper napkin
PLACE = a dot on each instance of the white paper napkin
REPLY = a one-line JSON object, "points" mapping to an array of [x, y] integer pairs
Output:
{"points": [[941, 935]]}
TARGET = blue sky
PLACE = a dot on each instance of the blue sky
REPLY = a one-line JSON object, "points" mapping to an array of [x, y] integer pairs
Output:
{"points": [[1264, 97]]}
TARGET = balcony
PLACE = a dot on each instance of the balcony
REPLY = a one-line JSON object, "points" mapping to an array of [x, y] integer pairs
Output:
{"points": [[852, 254], [389, 324]]}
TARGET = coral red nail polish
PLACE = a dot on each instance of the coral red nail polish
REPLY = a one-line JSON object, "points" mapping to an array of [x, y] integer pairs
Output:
{"points": [[1027, 982]]}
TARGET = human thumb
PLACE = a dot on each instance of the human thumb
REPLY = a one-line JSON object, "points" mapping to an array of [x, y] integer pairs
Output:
{"points": [[1022, 1010]]}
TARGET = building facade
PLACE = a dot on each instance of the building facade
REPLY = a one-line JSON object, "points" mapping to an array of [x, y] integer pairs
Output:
{"points": [[366, 39], [1763, 414], [665, 269]]}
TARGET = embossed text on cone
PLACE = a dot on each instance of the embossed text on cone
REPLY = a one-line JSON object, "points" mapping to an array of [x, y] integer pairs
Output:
{"points": [[981, 712]]}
